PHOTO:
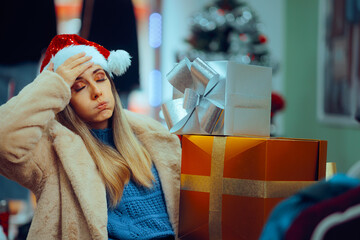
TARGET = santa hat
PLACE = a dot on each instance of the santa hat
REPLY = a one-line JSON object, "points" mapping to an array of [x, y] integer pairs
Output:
{"points": [[64, 46]]}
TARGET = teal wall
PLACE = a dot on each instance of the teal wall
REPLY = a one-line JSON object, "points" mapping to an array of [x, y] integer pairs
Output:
{"points": [[300, 87]]}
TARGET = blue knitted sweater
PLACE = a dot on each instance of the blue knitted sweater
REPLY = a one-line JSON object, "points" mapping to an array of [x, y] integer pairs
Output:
{"points": [[141, 213]]}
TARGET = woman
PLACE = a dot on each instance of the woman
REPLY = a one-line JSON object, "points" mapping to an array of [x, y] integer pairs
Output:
{"points": [[97, 171]]}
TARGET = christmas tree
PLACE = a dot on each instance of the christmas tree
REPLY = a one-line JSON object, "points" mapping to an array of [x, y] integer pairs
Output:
{"points": [[227, 30]]}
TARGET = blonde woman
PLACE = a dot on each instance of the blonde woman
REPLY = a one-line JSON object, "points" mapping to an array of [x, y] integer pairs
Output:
{"points": [[97, 171]]}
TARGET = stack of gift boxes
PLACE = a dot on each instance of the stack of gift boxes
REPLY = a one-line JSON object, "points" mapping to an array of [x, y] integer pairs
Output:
{"points": [[232, 172]]}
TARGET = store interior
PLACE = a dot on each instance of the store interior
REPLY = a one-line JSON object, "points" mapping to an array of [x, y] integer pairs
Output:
{"points": [[315, 70]]}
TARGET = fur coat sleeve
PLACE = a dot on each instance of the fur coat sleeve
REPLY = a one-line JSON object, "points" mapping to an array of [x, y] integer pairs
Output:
{"points": [[23, 122]]}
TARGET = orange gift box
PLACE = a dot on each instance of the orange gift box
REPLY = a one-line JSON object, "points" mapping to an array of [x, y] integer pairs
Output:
{"points": [[229, 185]]}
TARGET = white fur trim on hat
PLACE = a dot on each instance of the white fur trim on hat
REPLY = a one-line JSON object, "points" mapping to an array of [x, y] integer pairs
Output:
{"points": [[119, 61], [69, 51]]}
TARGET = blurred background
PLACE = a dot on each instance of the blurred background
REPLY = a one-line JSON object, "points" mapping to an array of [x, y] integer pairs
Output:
{"points": [[311, 45], [296, 43]]}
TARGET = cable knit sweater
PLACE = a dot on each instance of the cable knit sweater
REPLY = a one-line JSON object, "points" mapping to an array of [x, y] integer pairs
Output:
{"points": [[141, 213]]}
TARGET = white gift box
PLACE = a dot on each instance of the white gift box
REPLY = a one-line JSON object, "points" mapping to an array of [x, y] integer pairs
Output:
{"points": [[219, 98]]}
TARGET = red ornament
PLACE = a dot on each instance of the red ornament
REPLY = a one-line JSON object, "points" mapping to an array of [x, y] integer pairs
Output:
{"points": [[221, 12], [262, 39], [4, 216], [277, 103]]}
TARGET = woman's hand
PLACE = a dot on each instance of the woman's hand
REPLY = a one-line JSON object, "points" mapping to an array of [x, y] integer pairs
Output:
{"points": [[73, 67]]}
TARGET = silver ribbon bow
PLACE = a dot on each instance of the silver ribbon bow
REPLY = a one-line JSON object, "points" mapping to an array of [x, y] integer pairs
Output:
{"points": [[200, 110]]}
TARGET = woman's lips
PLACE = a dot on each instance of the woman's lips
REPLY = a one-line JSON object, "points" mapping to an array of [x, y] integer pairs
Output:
{"points": [[102, 105]]}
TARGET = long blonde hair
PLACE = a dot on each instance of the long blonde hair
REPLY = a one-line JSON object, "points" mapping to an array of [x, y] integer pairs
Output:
{"points": [[116, 166]]}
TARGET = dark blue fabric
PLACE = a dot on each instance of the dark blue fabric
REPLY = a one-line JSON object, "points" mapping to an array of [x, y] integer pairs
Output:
{"points": [[141, 213], [104, 135], [353, 11], [286, 211]]}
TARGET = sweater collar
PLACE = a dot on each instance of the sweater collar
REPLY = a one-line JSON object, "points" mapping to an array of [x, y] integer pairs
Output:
{"points": [[104, 135]]}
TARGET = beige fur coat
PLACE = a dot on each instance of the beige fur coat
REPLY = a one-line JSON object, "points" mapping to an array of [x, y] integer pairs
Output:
{"points": [[53, 162]]}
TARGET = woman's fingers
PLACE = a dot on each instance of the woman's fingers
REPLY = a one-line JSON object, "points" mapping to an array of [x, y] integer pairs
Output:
{"points": [[69, 74], [78, 70], [78, 61], [73, 67], [73, 58]]}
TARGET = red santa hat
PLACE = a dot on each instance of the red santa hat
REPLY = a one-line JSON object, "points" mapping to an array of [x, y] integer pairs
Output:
{"points": [[64, 46]]}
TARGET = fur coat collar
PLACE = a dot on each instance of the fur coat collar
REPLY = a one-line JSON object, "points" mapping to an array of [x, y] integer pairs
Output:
{"points": [[81, 183]]}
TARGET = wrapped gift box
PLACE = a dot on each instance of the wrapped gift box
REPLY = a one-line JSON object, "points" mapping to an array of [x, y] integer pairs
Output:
{"points": [[229, 185], [219, 98]]}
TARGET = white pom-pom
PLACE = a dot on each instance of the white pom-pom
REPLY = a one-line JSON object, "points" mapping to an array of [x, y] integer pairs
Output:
{"points": [[118, 62]]}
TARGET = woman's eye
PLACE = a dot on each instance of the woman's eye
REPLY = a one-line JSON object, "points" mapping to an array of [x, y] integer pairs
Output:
{"points": [[78, 86], [79, 89], [101, 80]]}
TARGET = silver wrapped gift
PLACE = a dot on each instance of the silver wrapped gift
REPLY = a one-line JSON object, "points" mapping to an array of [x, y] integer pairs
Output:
{"points": [[219, 98]]}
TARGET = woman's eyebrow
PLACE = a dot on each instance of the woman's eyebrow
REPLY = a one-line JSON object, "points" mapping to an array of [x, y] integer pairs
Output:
{"points": [[95, 71]]}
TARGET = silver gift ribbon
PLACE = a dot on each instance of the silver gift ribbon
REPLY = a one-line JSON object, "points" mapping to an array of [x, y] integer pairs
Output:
{"points": [[200, 111]]}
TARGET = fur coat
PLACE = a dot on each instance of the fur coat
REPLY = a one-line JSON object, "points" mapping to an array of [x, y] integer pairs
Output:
{"points": [[53, 162]]}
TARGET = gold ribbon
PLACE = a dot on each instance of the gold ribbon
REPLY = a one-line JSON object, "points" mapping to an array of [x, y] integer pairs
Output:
{"points": [[330, 169], [217, 185], [245, 187]]}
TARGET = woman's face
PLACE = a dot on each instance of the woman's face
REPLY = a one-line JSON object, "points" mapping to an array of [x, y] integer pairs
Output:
{"points": [[92, 98]]}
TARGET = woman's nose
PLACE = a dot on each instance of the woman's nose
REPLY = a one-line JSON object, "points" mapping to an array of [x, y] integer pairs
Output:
{"points": [[96, 92]]}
